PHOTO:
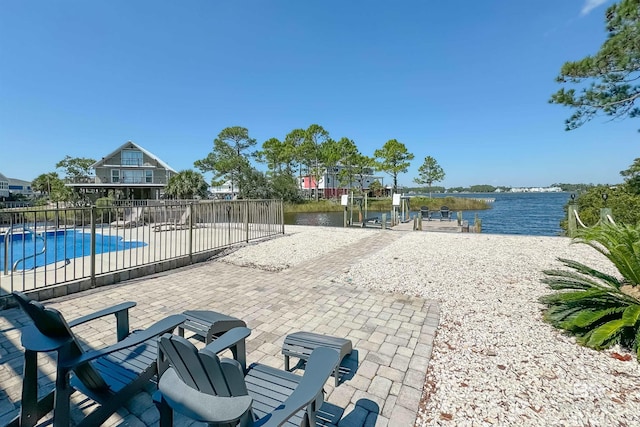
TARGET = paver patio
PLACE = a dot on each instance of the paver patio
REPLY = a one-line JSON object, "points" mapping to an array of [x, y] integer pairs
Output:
{"points": [[392, 333]]}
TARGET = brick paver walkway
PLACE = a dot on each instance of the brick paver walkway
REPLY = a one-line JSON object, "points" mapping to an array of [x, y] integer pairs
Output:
{"points": [[392, 334]]}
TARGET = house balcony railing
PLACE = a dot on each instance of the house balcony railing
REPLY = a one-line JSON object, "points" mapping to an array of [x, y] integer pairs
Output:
{"points": [[110, 180], [90, 179], [134, 180]]}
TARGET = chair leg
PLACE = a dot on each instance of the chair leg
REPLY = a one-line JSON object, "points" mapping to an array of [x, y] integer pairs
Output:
{"points": [[61, 409], [166, 413], [31, 409]]}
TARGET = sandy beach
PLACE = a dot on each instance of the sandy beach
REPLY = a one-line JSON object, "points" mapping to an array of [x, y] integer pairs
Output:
{"points": [[494, 361]]}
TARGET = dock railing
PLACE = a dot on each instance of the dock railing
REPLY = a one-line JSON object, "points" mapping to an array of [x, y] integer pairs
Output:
{"points": [[93, 246]]}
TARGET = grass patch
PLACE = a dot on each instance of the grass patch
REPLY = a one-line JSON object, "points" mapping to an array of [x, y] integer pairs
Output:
{"points": [[384, 204]]}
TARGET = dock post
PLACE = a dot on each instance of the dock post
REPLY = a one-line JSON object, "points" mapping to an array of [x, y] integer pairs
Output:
{"points": [[572, 223], [477, 224], [345, 217], [459, 215], [384, 221], [604, 212]]}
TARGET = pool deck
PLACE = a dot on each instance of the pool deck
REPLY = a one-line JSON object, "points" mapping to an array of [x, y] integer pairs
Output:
{"points": [[392, 334], [160, 247]]}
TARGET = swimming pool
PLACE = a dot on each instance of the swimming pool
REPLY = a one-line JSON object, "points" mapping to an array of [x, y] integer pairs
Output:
{"points": [[58, 246]]}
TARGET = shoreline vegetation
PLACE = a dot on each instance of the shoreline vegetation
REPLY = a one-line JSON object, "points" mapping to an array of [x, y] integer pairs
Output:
{"points": [[382, 204]]}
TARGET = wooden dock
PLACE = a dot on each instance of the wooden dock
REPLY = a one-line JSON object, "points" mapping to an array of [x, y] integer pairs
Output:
{"points": [[435, 225]]}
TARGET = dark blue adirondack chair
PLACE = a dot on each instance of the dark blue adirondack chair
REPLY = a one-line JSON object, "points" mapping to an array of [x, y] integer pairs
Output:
{"points": [[205, 388], [445, 213], [110, 376], [424, 211]]}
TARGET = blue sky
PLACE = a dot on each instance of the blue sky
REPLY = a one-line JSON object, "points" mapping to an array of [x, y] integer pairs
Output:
{"points": [[464, 82]]}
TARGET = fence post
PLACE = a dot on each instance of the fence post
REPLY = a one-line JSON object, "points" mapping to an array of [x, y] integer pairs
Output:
{"points": [[190, 243], [282, 214], [246, 220], [92, 262]]}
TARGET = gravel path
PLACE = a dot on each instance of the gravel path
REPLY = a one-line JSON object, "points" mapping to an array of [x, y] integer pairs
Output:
{"points": [[495, 362]]}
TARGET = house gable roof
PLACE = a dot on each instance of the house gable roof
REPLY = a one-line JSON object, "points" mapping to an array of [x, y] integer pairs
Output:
{"points": [[130, 144]]}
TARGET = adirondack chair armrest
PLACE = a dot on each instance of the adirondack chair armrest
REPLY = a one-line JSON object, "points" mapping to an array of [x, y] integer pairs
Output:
{"points": [[227, 340], [201, 406], [319, 367], [234, 340], [167, 324], [122, 318]]}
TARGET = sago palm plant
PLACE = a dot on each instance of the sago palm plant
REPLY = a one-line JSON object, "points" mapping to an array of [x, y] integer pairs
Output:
{"points": [[599, 309]]}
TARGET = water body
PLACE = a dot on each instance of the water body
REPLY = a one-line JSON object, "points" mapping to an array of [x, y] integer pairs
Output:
{"points": [[534, 214], [59, 245]]}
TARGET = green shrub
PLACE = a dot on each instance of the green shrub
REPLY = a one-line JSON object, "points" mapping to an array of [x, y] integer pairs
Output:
{"points": [[622, 199], [599, 309]]}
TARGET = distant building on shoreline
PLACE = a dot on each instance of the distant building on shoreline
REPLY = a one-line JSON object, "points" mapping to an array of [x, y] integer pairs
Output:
{"points": [[536, 190]]}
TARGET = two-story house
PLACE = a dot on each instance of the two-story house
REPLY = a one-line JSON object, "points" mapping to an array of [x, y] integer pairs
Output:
{"points": [[330, 184], [130, 172]]}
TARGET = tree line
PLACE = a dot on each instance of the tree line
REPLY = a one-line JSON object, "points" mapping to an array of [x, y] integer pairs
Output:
{"points": [[301, 153], [309, 152]]}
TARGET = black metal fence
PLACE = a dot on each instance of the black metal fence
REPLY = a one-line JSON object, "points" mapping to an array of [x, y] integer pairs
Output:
{"points": [[45, 247]]}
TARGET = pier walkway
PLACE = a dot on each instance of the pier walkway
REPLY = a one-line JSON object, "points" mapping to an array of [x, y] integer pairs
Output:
{"points": [[434, 225], [392, 333]]}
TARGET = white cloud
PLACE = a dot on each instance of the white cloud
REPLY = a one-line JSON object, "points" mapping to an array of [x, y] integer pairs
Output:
{"points": [[589, 5]]}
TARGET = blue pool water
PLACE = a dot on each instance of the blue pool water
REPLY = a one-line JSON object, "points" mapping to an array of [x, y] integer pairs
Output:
{"points": [[60, 245]]}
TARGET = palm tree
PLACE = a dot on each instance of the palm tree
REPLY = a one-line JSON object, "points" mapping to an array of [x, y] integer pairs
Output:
{"points": [[186, 185], [45, 182]]}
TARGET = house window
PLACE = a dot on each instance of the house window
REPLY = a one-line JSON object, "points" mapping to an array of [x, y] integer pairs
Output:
{"points": [[131, 158], [148, 176], [115, 175], [132, 177]]}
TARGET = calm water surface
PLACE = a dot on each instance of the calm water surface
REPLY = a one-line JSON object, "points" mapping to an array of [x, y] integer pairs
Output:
{"points": [[536, 214]]}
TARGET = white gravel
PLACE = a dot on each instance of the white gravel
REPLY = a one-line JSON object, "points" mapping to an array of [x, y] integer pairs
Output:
{"points": [[494, 362], [299, 244]]}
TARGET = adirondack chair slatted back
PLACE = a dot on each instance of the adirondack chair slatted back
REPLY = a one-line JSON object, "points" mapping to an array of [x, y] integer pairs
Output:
{"points": [[199, 371], [445, 212], [51, 323]]}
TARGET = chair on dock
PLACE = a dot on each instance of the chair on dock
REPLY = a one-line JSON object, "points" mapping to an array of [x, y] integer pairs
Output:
{"points": [[424, 211], [445, 213], [203, 387], [109, 376]]}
